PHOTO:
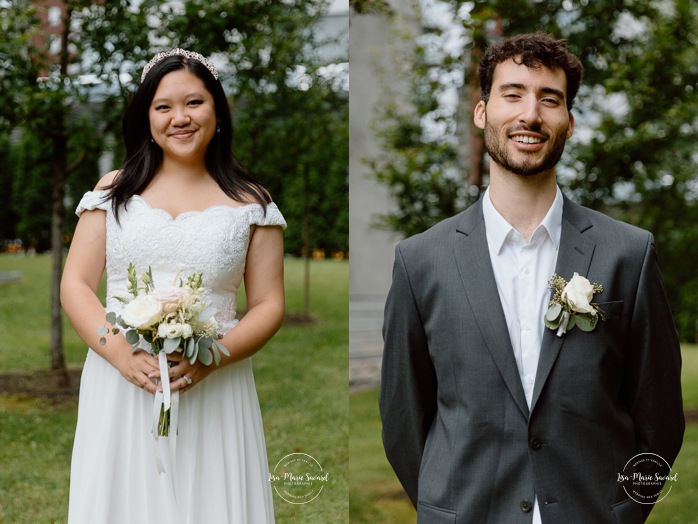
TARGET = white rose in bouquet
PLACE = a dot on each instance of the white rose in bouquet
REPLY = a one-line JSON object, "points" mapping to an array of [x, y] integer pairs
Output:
{"points": [[578, 294], [170, 330], [170, 297], [142, 312]]}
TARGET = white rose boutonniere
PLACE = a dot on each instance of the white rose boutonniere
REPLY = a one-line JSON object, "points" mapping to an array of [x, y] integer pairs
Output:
{"points": [[572, 304]]}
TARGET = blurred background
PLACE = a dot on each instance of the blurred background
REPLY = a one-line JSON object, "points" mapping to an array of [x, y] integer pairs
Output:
{"points": [[415, 158], [67, 70]]}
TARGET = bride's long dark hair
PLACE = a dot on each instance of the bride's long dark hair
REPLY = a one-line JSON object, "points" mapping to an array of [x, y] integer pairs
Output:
{"points": [[143, 156]]}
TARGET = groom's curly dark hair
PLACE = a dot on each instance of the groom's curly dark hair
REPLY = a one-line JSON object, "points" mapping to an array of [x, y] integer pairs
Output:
{"points": [[532, 50]]}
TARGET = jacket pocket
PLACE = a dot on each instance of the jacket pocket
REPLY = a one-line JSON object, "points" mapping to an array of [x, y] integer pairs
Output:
{"points": [[428, 514], [611, 309], [627, 512]]}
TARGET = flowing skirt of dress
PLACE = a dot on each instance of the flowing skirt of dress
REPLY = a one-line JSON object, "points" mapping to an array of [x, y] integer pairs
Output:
{"points": [[222, 473]]}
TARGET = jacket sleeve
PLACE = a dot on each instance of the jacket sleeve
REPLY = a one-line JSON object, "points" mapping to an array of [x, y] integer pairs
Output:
{"points": [[653, 368], [408, 382]]}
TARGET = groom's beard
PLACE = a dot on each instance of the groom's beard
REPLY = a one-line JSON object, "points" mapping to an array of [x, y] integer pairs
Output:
{"points": [[528, 165]]}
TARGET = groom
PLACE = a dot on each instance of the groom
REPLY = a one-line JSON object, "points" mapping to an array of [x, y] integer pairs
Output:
{"points": [[489, 416]]}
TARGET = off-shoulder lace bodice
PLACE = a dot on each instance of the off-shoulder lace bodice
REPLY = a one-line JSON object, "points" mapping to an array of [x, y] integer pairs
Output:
{"points": [[213, 241]]}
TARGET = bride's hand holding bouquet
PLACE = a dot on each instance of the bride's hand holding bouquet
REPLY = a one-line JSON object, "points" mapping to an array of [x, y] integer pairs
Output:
{"points": [[176, 323], [171, 319]]}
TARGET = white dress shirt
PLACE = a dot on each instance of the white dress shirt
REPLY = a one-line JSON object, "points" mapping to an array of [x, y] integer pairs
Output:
{"points": [[522, 271]]}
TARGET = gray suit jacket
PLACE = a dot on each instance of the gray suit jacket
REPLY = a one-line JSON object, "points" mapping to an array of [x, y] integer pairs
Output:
{"points": [[456, 426]]}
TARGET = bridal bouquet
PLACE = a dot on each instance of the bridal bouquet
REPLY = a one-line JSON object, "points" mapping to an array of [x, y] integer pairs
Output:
{"points": [[172, 319]]}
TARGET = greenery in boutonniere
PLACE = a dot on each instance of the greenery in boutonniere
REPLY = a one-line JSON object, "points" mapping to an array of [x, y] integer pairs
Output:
{"points": [[572, 304]]}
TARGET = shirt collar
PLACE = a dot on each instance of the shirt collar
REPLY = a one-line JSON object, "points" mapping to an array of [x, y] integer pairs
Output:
{"points": [[553, 219], [498, 229]]}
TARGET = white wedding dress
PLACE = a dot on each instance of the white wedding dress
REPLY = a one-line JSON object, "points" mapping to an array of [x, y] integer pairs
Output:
{"points": [[222, 473]]}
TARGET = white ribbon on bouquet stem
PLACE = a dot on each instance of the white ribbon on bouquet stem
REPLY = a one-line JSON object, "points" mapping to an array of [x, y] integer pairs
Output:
{"points": [[166, 446]]}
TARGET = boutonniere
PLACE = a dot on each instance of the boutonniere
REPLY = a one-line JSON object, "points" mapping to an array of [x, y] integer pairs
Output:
{"points": [[572, 304]]}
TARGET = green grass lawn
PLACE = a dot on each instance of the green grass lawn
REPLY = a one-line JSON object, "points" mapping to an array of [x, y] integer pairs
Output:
{"points": [[25, 320], [301, 376], [376, 495]]}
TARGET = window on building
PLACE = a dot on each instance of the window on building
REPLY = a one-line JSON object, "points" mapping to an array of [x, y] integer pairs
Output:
{"points": [[54, 16], [54, 45]]}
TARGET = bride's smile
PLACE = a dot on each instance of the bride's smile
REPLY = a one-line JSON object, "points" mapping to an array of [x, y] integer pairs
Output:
{"points": [[182, 116]]}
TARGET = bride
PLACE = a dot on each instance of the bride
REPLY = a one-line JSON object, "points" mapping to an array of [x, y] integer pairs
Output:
{"points": [[179, 205]]}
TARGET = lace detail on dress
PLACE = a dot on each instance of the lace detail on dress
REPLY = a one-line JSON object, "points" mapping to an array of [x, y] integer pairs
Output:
{"points": [[213, 241], [93, 200], [272, 218]]}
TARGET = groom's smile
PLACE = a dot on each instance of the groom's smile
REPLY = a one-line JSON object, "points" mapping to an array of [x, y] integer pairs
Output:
{"points": [[526, 121]]}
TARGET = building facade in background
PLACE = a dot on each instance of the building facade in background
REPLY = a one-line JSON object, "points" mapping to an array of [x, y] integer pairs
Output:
{"points": [[375, 42]]}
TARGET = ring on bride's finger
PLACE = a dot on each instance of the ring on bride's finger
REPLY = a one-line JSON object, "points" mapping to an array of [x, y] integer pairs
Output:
{"points": [[189, 381]]}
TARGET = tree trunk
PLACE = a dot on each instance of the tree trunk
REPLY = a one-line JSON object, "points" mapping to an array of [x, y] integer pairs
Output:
{"points": [[57, 214], [476, 167], [306, 241], [60, 153]]}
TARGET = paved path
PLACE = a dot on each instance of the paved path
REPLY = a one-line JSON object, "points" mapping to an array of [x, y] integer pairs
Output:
{"points": [[365, 343], [364, 373], [8, 277]]}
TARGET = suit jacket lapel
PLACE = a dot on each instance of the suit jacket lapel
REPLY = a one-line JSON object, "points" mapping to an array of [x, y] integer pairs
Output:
{"points": [[477, 276], [576, 251]]}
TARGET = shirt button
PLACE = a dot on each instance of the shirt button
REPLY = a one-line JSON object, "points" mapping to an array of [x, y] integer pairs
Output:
{"points": [[526, 326], [529, 379], [527, 271], [525, 506]]}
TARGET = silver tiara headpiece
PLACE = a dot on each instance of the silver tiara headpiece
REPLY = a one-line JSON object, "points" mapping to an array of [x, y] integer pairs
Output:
{"points": [[179, 52]]}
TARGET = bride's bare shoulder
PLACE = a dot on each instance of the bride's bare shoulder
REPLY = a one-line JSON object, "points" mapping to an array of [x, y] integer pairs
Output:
{"points": [[106, 180]]}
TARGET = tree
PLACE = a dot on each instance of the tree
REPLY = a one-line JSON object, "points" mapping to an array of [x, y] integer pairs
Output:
{"points": [[304, 156], [640, 162], [312, 162], [42, 107], [8, 217], [636, 114]]}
